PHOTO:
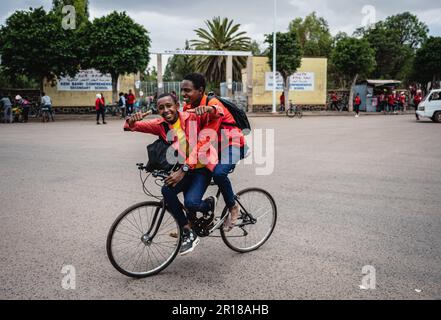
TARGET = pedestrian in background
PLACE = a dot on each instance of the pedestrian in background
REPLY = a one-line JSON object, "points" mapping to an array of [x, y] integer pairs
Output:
{"points": [[130, 102], [357, 103], [6, 104], [25, 106], [122, 104], [99, 107], [46, 102]]}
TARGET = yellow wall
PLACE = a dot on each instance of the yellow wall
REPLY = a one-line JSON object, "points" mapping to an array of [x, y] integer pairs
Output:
{"points": [[86, 98], [317, 97]]}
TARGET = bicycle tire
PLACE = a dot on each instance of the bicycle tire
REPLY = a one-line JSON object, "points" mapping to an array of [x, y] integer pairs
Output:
{"points": [[236, 232], [290, 113], [111, 239]]}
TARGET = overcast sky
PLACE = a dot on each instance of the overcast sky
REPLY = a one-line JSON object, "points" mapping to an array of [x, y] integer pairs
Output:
{"points": [[171, 22]]}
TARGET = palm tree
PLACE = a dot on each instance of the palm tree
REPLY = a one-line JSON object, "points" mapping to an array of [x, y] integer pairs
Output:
{"points": [[221, 35]]}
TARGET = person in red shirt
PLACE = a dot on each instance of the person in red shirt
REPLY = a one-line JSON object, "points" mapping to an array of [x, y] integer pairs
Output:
{"points": [[99, 107], [282, 102], [334, 102], [357, 105], [402, 101], [232, 141], [416, 101], [131, 99], [391, 102]]}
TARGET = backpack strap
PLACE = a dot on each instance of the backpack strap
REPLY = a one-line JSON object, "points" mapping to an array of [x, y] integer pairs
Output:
{"points": [[167, 129]]}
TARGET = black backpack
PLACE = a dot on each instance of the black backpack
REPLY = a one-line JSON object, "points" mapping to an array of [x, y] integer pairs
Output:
{"points": [[238, 114], [157, 154]]}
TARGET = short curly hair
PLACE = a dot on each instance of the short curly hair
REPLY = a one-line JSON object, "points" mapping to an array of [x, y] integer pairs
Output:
{"points": [[198, 80]]}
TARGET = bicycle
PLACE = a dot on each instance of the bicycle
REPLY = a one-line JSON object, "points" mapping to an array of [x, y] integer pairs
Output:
{"points": [[294, 111], [140, 242]]}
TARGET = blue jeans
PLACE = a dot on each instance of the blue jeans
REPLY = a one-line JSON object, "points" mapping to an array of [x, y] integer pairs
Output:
{"points": [[194, 185], [229, 157], [7, 114]]}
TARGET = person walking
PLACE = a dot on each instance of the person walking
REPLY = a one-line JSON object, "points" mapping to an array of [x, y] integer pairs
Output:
{"points": [[6, 104], [130, 102], [357, 105], [334, 102], [282, 102], [122, 104], [99, 107], [416, 101]]}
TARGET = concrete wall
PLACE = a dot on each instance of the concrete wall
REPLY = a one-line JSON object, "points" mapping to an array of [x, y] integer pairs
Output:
{"points": [[317, 97], [86, 98]]}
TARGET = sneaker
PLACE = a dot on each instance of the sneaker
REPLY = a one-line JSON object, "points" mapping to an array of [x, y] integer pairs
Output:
{"points": [[98, 123], [212, 202], [189, 241], [104, 122]]}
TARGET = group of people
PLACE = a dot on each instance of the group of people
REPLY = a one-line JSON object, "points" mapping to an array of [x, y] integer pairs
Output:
{"points": [[392, 101], [19, 110], [212, 156]]}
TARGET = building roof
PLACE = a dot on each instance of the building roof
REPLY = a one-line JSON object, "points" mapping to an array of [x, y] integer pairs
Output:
{"points": [[379, 83]]}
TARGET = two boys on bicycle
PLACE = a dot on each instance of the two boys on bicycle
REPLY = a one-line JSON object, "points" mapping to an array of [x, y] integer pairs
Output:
{"points": [[197, 132]]}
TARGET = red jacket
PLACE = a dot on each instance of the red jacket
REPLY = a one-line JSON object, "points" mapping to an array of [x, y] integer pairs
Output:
{"points": [[202, 150], [391, 99], [357, 100], [131, 99], [228, 135], [99, 103]]}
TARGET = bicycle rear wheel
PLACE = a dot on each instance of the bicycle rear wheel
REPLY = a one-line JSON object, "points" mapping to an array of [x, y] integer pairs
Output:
{"points": [[299, 114], [256, 222], [133, 255]]}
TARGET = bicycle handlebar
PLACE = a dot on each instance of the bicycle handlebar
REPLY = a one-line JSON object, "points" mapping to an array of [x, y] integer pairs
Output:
{"points": [[156, 173]]}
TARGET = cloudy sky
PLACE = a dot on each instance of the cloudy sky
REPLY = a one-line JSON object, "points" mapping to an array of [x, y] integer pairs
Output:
{"points": [[171, 22]]}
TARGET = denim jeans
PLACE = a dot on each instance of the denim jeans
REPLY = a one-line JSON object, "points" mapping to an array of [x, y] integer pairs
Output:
{"points": [[7, 115], [194, 185], [229, 157]]}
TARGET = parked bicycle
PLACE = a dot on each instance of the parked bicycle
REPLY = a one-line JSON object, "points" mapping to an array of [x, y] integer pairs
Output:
{"points": [[294, 111], [140, 242]]}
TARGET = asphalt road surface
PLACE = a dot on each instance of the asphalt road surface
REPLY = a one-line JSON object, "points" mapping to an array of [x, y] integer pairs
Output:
{"points": [[350, 193]]}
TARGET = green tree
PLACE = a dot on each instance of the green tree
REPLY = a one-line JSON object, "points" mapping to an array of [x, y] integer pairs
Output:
{"points": [[353, 58], [34, 44], [222, 35], [179, 66], [115, 45], [81, 9], [255, 48], [313, 35], [395, 42], [427, 64], [289, 56]]}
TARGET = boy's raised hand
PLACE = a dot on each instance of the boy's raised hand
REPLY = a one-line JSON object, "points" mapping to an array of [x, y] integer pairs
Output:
{"points": [[201, 110], [138, 117]]}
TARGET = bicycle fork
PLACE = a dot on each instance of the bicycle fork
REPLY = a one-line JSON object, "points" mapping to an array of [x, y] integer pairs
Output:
{"points": [[147, 238]]}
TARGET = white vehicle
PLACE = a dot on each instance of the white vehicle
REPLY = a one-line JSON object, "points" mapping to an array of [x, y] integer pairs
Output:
{"points": [[430, 107]]}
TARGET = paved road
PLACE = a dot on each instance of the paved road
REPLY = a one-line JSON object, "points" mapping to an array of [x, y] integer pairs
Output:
{"points": [[351, 192]]}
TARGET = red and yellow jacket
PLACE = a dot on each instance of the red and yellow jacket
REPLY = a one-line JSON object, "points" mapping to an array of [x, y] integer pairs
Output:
{"points": [[192, 125]]}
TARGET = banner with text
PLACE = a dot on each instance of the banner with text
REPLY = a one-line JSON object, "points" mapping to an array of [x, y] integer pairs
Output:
{"points": [[300, 81], [86, 80]]}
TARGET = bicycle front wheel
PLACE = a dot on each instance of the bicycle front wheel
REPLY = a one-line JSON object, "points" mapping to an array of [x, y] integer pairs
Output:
{"points": [[129, 248], [256, 222], [290, 113]]}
